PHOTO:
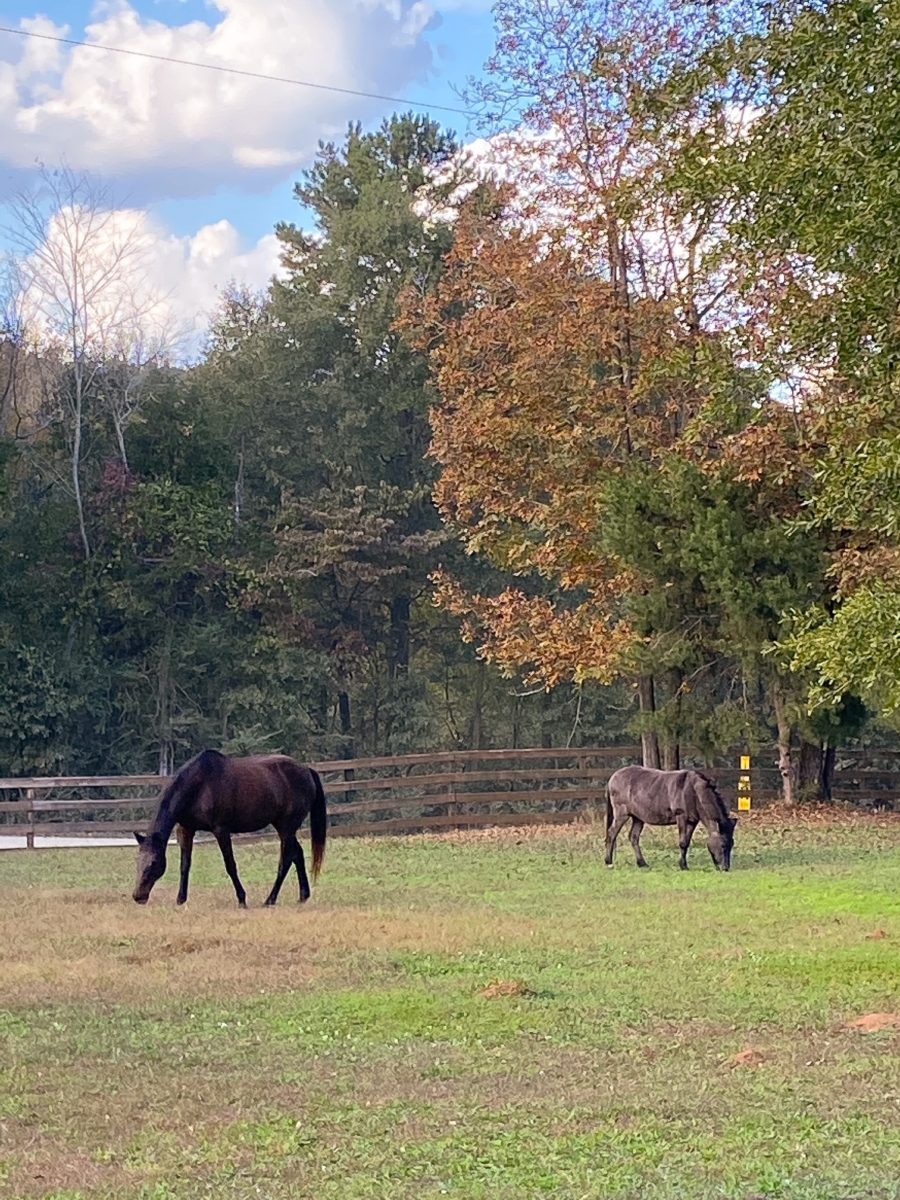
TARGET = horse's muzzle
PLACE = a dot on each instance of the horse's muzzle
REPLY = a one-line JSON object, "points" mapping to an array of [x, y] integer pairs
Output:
{"points": [[140, 899]]}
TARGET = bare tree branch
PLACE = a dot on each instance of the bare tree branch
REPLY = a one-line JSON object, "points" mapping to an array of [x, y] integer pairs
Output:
{"points": [[79, 274]]}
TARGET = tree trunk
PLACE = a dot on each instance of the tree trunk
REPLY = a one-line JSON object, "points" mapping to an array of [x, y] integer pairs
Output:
{"points": [[399, 650], [9, 357], [623, 352], [166, 762], [546, 719], [346, 724], [476, 725], [809, 771], [120, 439], [826, 785], [649, 737], [785, 735], [672, 744], [671, 756], [239, 488], [78, 418]]}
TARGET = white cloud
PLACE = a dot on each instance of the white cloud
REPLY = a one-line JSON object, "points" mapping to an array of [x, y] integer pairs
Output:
{"points": [[158, 288], [192, 272], [265, 156], [174, 129]]}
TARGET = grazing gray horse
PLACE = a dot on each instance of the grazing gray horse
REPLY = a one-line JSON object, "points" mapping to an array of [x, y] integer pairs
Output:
{"points": [[682, 798]]}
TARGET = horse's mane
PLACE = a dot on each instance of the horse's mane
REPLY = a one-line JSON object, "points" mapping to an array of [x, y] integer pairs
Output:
{"points": [[208, 763], [724, 814]]}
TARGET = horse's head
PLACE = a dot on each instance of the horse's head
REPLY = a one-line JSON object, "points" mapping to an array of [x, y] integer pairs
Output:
{"points": [[721, 843], [151, 864]]}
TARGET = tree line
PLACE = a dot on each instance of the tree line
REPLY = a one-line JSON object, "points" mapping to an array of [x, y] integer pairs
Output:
{"points": [[605, 447]]}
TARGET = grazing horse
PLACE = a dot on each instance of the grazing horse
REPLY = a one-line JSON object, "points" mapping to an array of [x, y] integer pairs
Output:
{"points": [[682, 798], [226, 795]]}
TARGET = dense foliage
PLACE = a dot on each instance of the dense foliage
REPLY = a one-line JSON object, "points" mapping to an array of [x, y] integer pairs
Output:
{"points": [[259, 541], [627, 422]]}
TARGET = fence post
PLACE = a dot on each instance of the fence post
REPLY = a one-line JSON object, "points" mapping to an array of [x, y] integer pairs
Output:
{"points": [[450, 805], [29, 832], [744, 790]]}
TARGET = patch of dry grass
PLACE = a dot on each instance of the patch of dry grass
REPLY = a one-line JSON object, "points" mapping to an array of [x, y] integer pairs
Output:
{"points": [[57, 946]]}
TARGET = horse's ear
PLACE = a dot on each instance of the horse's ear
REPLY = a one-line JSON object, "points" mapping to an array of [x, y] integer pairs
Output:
{"points": [[139, 838]]}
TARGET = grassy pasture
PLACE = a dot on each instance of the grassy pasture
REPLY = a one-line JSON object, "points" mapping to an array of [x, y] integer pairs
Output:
{"points": [[475, 1015]]}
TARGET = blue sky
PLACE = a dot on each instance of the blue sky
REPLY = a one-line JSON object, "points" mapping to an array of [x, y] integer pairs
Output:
{"points": [[454, 42], [202, 163]]}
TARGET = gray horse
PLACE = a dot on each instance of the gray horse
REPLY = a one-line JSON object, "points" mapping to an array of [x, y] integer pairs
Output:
{"points": [[682, 798]]}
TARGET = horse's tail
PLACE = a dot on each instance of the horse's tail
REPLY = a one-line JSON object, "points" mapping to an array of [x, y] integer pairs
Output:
{"points": [[609, 810], [318, 823]]}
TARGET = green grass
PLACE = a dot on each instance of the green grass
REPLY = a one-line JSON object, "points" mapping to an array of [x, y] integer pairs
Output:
{"points": [[353, 1048]]}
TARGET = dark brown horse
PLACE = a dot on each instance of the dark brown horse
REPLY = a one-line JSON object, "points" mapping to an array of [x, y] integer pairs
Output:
{"points": [[682, 798], [225, 795]]}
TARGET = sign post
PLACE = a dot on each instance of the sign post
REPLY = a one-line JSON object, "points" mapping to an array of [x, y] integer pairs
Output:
{"points": [[744, 784]]}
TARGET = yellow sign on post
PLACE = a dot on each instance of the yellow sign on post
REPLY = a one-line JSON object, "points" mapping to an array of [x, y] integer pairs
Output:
{"points": [[744, 785]]}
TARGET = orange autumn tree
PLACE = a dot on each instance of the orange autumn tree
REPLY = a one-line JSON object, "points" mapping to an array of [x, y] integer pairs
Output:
{"points": [[572, 343], [549, 389], [598, 410]]}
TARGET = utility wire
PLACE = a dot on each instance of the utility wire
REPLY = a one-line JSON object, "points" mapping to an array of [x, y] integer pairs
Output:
{"points": [[186, 62]]}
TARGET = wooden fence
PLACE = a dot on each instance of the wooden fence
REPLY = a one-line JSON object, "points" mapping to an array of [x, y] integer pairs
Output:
{"points": [[450, 789]]}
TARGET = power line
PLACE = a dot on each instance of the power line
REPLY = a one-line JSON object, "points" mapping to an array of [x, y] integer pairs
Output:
{"points": [[186, 62]]}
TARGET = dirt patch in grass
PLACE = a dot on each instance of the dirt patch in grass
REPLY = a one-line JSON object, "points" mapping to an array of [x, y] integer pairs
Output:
{"points": [[876, 1022], [748, 1057], [506, 987]]}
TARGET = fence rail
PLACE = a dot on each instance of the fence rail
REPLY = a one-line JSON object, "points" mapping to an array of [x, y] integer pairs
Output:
{"points": [[404, 794]]}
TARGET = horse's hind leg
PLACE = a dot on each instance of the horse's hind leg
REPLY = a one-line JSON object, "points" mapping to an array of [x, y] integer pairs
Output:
{"points": [[685, 833], [223, 837], [300, 861], [186, 842], [637, 828], [612, 833], [286, 858]]}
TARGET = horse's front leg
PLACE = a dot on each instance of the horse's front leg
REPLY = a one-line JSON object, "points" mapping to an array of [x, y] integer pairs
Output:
{"points": [[685, 833], [285, 861], [223, 837], [637, 828], [612, 833], [186, 842]]}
